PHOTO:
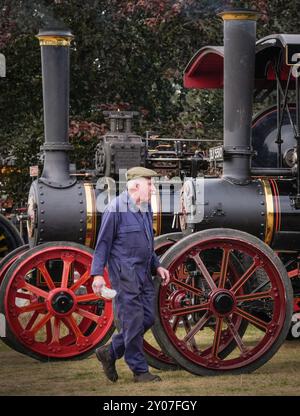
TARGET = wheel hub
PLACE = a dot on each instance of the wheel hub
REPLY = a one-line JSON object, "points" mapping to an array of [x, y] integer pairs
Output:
{"points": [[179, 299], [62, 302], [223, 303]]}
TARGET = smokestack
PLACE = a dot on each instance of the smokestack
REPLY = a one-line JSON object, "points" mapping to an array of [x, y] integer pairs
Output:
{"points": [[239, 65], [55, 54]]}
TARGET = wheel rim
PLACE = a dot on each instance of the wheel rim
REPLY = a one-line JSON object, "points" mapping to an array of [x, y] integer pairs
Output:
{"points": [[221, 305], [158, 354], [61, 318], [9, 259]]}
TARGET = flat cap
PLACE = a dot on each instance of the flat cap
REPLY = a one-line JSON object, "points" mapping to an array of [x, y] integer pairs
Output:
{"points": [[140, 172]]}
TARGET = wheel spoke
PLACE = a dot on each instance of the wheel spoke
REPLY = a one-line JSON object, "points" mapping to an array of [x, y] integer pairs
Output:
{"points": [[192, 289], [41, 323], [254, 296], [176, 323], [48, 279], [56, 331], [32, 321], [224, 267], [73, 325], [189, 309], [293, 273], [252, 269], [66, 323], [68, 260], [236, 335], [253, 319], [87, 298], [199, 325], [89, 315], [259, 288], [81, 281], [187, 327], [37, 291], [217, 337], [31, 307], [23, 295], [216, 276], [201, 266], [48, 332]]}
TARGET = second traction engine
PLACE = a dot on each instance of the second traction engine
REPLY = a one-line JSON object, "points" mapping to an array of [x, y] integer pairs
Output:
{"points": [[230, 304]]}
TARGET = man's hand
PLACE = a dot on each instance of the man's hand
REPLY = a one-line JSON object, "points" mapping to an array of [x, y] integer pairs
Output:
{"points": [[164, 274], [98, 283]]}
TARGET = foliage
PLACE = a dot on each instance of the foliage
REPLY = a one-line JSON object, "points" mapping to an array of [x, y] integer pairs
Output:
{"points": [[84, 137], [126, 54]]}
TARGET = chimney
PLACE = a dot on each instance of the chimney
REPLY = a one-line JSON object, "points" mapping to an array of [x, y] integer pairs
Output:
{"points": [[55, 54], [239, 65]]}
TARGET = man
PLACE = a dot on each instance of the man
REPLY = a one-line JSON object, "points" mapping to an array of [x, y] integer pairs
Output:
{"points": [[126, 242]]}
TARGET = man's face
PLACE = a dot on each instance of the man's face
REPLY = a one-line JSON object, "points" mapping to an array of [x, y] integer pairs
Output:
{"points": [[146, 188]]}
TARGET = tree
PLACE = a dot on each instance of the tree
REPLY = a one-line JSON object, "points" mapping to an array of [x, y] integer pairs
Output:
{"points": [[126, 54]]}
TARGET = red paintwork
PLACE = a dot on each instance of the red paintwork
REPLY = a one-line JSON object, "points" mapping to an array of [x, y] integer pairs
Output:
{"points": [[77, 337], [296, 305], [211, 357], [205, 70]]}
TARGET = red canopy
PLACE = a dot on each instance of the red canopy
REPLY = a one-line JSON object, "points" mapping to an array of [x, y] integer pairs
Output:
{"points": [[205, 69]]}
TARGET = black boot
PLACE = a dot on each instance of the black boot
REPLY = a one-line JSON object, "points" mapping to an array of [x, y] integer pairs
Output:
{"points": [[145, 377], [108, 363]]}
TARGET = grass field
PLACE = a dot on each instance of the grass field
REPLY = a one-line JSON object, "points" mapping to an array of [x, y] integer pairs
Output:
{"points": [[21, 375]]}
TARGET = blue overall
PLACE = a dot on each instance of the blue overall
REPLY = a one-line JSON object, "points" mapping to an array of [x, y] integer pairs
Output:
{"points": [[125, 242]]}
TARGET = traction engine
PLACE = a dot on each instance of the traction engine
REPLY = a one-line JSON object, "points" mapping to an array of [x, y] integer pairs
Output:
{"points": [[46, 294]]}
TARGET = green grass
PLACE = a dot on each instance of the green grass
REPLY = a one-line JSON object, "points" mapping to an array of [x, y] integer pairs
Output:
{"points": [[21, 375]]}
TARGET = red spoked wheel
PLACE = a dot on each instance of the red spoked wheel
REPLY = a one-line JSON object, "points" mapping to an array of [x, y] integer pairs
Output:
{"points": [[233, 322], [5, 264], [155, 356], [49, 305]]}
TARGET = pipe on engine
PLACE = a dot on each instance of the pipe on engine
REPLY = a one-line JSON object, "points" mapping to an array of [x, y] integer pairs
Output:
{"points": [[239, 66], [60, 207], [286, 172], [55, 55]]}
